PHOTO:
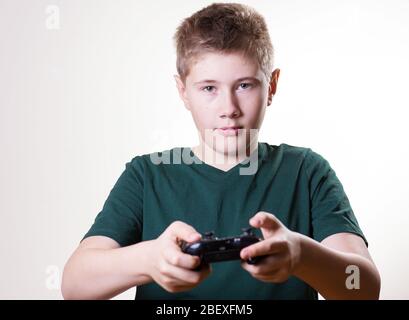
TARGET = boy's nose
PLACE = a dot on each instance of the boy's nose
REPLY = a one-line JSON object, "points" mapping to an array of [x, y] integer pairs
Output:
{"points": [[230, 107]]}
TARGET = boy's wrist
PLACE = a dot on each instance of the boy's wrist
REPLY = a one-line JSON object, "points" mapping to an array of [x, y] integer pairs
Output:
{"points": [[142, 258], [303, 244]]}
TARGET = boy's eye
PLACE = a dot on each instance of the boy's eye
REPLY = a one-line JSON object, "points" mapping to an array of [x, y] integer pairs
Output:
{"points": [[245, 85], [208, 88]]}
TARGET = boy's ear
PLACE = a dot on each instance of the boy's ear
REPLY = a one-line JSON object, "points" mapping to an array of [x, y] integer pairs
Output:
{"points": [[182, 91], [273, 85]]}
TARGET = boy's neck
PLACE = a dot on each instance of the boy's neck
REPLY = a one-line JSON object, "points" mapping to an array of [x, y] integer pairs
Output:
{"points": [[218, 159]]}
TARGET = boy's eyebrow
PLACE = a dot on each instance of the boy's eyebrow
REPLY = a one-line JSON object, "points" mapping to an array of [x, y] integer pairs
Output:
{"points": [[240, 79]]}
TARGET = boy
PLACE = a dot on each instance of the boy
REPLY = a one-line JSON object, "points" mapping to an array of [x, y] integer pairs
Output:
{"points": [[293, 199]]}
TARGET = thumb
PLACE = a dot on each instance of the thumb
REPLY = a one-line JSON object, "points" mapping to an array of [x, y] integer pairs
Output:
{"points": [[182, 231]]}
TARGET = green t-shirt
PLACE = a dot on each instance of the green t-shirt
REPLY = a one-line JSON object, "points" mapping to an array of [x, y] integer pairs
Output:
{"points": [[296, 184]]}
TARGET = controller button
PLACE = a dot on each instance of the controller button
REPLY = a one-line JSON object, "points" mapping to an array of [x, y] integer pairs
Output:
{"points": [[209, 235], [247, 231]]}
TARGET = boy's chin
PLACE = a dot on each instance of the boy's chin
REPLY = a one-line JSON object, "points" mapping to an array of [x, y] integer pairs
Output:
{"points": [[231, 146]]}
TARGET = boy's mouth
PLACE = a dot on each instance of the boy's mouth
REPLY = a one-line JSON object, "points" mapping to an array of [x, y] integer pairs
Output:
{"points": [[229, 131]]}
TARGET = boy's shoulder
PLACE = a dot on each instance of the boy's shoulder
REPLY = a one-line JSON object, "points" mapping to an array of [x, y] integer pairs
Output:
{"points": [[288, 152], [297, 159], [291, 150], [166, 156]]}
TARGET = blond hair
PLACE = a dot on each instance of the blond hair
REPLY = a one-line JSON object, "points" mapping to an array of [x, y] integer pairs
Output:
{"points": [[226, 28]]}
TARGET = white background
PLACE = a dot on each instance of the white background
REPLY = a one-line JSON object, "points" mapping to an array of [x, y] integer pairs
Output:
{"points": [[78, 102]]}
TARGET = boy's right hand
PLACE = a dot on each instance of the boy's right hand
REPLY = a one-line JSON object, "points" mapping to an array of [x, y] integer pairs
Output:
{"points": [[170, 267]]}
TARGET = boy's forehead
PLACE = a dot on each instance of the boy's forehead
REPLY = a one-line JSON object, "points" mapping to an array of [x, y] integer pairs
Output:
{"points": [[223, 67]]}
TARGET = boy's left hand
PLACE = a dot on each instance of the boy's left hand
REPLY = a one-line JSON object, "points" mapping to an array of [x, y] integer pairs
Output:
{"points": [[281, 247]]}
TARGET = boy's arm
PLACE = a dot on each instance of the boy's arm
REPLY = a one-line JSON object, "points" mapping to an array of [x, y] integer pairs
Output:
{"points": [[322, 265], [327, 267], [101, 269]]}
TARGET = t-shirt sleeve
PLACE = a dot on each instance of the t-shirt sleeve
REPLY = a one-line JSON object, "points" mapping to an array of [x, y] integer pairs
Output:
{"points": [[121, 216], [331, 211]]}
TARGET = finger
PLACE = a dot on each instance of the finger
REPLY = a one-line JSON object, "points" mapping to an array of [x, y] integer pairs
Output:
{"points": [[261, 276], [264, 247], [182, 231], [176, 257], [266, 220], [184, 276], [268, 265]]}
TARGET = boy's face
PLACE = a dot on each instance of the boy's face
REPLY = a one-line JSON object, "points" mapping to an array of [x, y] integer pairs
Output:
{"points": [[226, 90]]}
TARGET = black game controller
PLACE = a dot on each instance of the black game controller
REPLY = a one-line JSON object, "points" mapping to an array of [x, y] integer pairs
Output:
{"points": [[212, 249]]}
